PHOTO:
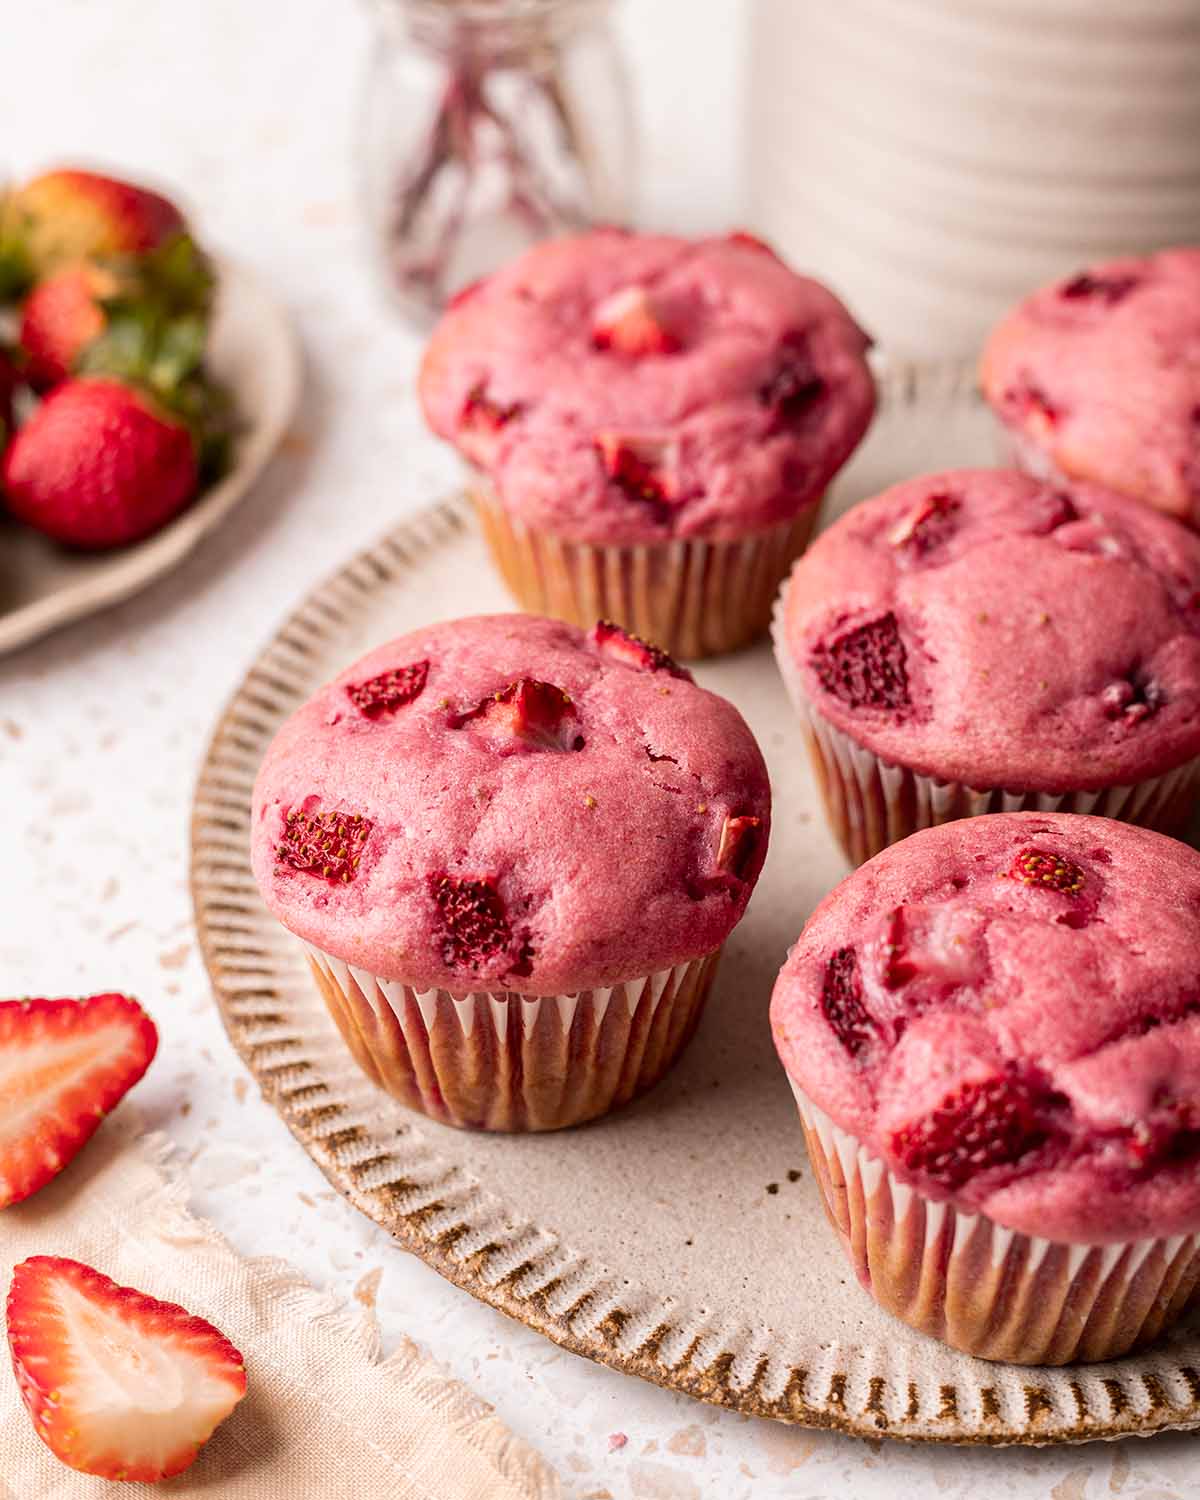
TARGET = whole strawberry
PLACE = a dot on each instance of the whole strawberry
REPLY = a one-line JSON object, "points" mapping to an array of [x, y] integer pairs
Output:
{"points": [[98, 465], [61, 316], [67, 216]]}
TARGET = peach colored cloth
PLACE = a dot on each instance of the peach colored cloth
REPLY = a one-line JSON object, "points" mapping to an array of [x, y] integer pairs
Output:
{"points": [[324, 1418]]}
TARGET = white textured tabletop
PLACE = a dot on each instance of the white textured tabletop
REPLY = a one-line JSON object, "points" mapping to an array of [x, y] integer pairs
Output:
{"points": [[250, 109]]}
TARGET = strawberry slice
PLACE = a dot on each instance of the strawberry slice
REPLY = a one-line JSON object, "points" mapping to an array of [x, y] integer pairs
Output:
{"points": [[63, 1065], [631, 322], [118, 1384]]}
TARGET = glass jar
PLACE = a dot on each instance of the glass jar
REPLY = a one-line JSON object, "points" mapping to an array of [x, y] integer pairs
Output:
{"points": [[488, 125]]}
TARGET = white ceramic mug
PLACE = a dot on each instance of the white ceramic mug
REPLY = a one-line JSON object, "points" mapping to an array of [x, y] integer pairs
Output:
{"points": [[935, 159]]}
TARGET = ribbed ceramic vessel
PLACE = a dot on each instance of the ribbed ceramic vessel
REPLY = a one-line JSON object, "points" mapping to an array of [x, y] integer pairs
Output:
{"points": [[933, 160]]}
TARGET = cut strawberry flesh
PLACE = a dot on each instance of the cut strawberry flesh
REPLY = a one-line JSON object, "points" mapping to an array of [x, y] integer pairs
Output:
{"points": [[794, 386], [643, 467], [897, 967], [390, 690], [1086, 287], [866, 667], [632, 651], [927, 525], [326, 844], [1061, 512], [980, 1125], [63, 1065], [474, 925], [631, 322], [118, 1385], [1032, 408], [842, 1001], [480, 411], [1133, 699], [1173, 1136], [739, 842], [482, 420], [750, 242], [535, 713]]}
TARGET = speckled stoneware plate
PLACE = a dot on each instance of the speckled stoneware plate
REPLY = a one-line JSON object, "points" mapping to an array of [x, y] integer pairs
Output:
{"points": [[254, 351], [681, 1239]]}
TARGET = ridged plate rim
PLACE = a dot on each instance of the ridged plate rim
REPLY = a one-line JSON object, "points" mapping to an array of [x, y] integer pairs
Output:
{"points": [[453, 1224]]}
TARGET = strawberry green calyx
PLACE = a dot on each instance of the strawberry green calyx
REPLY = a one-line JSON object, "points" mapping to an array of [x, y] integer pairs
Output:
{"points": [[154, 337]]}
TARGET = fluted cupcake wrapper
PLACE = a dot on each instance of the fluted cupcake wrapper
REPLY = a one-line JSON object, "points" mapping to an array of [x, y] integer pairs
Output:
{"points": [[987, 1290], [506, 1061], [692, 597], [871, 803]]}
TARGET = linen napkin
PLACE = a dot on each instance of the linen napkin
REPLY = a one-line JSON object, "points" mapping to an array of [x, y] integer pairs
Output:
{"points": [[324, 1418]]}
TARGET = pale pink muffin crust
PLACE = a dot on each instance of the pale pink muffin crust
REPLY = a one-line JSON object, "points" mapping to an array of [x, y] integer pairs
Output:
{"points": [[537, 810], [1005, 1010], [1100, 373], [982, 627], [623, 388]]}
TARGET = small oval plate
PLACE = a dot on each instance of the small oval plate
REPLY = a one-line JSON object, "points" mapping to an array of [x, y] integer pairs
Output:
{"points": [[253, 349]]}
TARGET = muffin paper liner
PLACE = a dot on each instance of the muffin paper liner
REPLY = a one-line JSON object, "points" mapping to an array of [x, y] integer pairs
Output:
{"points": [[691, 597], [871, 803], [506, 1061], [990, 1291]]}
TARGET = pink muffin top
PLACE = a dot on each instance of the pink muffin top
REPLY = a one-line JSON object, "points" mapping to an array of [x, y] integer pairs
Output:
{"points": [[505, 803], [1005, 1011], [1101, 374], [622, 388], [980, 626]]}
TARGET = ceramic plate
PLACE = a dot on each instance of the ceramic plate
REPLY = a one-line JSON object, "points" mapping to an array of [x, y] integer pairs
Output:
{"points": [[253, 349], [682, 1239]]}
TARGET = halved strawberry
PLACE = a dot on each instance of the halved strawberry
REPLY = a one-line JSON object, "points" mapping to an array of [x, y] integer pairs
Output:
{"points": [[631, 322], [63, 1065], [118, 1384]]}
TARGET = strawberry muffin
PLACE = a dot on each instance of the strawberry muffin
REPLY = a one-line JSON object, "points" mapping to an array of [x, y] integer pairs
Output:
{"points": [[993, 1035], [980, 641], [512, 852], [1098, 378], [651, 423]]}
